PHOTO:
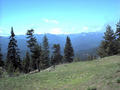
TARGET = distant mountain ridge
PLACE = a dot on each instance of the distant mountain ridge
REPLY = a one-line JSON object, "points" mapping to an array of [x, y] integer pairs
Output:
{"points": [[81, 42]]}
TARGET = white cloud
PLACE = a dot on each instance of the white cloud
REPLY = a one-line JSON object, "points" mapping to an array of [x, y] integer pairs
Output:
{"points": [[0, 31], [85, 28], [91, 28], [56, 31], [39, 33], [98, 28], [3, 32], [50, 21], [46, 20], [73, 28]]}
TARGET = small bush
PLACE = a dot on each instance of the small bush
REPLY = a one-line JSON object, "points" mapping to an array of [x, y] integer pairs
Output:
{"points": [[117, 71], [92, 88], [118, 80], [3, 73], [14, 74]]}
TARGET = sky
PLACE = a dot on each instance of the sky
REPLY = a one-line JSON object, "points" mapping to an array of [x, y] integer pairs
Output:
{"points": [[57, 16]]}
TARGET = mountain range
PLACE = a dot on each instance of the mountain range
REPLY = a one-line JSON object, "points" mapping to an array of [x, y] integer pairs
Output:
{"points": [[83, 43]]}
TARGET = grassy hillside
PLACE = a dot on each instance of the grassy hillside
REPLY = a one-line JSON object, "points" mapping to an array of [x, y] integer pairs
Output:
{"points": [[101, 74]]}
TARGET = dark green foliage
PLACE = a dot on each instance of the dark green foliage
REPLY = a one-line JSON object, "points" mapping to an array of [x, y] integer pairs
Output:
{"points": [[36, 56], [118, 80], [26, 63], [118, 31], [92, 88], [1, 72], [45, 53], [31, 44], [109, 44], [102, 49], [92, 57], [68, 51], [1, 61], [13, 59], [56, 57], [36, 51], [118, 36], [77, 59], [31, 39]]}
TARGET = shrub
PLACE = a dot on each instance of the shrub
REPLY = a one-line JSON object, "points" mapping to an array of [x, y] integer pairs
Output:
{"points": [[118, 80], [3, 73], [92, 88]]}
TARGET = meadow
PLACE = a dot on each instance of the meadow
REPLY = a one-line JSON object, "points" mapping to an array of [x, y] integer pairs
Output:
{"points": [[100, 74]]}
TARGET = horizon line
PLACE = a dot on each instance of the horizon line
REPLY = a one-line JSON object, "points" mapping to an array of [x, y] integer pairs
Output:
{"points": [[6, 35]]}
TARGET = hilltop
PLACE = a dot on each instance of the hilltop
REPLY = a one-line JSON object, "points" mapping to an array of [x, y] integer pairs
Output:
{"points": [[103, 74]]}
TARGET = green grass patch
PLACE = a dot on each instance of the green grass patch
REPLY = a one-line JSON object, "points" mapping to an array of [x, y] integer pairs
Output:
{"points": [[101, 73]]}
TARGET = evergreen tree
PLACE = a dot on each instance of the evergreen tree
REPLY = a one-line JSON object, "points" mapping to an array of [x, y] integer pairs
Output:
{"points": [[108, 45], [68, 51], [31, 39], [26, 63], [118, 36], [13, 59], [118, 31], [56, 57], [45, 53], [19, 61], [102, 49], [32, 42], [36, 55], [1, 61]]}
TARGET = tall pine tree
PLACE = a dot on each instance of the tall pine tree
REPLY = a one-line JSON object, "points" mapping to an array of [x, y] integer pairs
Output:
{"points": [[118, 36], [31, 39], [68, 51], [13, 58], [36, 54], [26, 63], [1, 61], [118, 31], [32, 42], [56, 57], [45, 53], [108, 45]]}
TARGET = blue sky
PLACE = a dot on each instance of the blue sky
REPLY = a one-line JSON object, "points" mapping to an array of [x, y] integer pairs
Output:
{"points": [[57, 16]]}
